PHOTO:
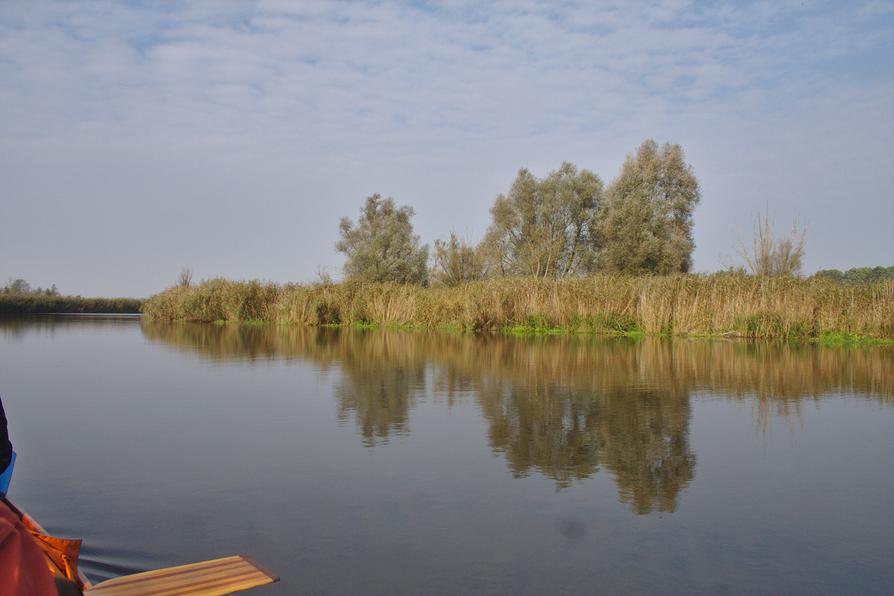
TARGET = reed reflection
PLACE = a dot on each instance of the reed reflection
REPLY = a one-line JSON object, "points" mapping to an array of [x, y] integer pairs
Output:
{"points": [[565, 408]]}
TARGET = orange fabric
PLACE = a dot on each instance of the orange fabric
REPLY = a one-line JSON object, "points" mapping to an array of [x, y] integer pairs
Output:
{"points": [[23, 567], [61, 553]]}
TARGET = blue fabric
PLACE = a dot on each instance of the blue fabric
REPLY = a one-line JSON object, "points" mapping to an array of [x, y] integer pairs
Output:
{"points": [[6, 476]]}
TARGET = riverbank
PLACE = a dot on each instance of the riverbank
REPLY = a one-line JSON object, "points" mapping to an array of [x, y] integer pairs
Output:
{"points": [[29, 304], [723, 305]]}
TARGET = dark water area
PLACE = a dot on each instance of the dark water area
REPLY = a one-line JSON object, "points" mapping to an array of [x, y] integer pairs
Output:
{"points": [[403, 462]]}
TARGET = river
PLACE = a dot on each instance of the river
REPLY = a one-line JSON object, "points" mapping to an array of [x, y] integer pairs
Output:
{"points": [[390, 462]]}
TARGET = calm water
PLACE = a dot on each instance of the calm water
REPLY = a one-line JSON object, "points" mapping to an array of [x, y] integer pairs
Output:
{"points": [[382, 462]]}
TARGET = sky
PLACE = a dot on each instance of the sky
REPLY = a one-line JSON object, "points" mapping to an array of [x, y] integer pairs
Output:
{"points": [[229, 137]]}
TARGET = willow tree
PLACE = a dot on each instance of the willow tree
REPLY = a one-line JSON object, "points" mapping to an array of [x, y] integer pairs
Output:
{"points": [[645, 225], [381, 246], [543, 227]]}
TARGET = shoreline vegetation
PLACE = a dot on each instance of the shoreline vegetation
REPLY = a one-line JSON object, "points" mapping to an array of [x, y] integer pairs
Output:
{"points": [[33, 304], [681, 305], [563, 254]]}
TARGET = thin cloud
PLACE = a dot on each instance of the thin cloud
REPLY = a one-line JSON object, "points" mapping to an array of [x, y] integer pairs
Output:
{"points": [[378, 88]]}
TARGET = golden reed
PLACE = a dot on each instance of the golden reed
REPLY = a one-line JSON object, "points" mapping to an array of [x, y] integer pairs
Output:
{"points": [[688, 305]]}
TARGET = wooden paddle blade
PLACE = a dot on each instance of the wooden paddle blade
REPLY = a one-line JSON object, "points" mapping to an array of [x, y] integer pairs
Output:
{"points": [[208, 578]]}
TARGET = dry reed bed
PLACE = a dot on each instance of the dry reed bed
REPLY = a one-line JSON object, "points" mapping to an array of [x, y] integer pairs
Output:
{"points": [[720, 304]]}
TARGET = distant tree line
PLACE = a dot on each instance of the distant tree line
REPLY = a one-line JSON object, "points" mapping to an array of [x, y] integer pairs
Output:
{"points": [[17, 297], [565, 224], [858, 274], [20, 287]]}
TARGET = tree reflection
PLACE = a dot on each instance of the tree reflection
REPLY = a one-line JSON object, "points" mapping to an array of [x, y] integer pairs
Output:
{"points": [[564, 408], [378, 386], [645, 437], [640, 436], [546, 428]]}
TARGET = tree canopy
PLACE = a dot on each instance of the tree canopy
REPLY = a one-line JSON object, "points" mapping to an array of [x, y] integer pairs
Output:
{"points": [[543, 227], [645, 225], [381, 246], [557, 226]]}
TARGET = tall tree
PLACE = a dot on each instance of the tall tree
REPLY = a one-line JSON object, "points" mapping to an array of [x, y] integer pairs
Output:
{"points": [[543, 227], [381, 246], [646, 222]]}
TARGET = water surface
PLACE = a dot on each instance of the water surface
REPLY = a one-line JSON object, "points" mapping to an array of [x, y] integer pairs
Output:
{"points": [[402, 462]]}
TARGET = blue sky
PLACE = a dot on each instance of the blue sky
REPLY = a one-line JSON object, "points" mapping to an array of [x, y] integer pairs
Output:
{"points": [[138, 138]]}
